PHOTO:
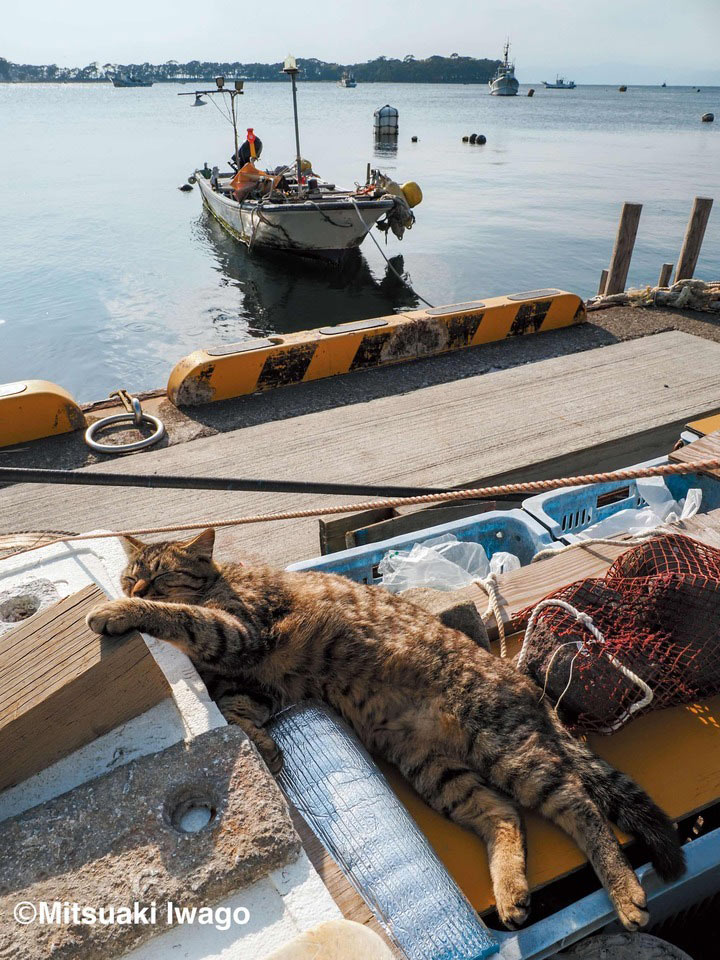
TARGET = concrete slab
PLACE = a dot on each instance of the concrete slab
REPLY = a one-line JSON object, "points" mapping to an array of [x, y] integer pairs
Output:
{"points": [[607, 407], [183, 828]]}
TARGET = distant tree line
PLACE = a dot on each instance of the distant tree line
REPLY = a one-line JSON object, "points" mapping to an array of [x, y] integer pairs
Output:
{"points": [[452, 69]]}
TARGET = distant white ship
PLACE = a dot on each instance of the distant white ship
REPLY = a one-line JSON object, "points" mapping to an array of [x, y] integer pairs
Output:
{"points": [[125, 80], [347, 80], [504, 83], [560, 84]]}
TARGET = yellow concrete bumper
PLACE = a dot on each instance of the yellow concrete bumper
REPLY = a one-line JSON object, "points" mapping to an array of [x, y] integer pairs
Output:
{"points": [[30, 409], [254, 365]]}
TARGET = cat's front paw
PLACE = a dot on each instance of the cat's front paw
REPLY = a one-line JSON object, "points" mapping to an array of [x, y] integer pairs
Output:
{"points": [[113, 618]]}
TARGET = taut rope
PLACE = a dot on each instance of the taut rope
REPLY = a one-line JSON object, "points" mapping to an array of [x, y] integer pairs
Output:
{"points": [[475, 493]]}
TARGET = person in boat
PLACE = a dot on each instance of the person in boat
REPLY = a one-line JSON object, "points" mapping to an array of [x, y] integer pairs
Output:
{"points": [[249, 181], [250, 150]]}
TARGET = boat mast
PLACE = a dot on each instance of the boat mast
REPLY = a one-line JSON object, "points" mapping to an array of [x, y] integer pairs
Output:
{"points": [[220, 88], [290, 67]]}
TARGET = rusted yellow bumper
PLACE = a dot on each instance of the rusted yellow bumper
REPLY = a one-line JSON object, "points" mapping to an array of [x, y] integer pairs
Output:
{"points": [[241, 368], [30, 409]]}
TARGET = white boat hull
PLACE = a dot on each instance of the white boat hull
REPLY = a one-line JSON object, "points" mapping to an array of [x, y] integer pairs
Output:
{"points": [[506, 86], [327, 228]]}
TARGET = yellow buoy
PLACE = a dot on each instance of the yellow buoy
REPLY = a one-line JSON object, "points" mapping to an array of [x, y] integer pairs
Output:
{"points": [[412, 193]]}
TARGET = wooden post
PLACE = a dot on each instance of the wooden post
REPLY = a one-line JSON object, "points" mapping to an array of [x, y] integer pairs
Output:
{"points": [[693, 238], [622, 251], [603, 283], [665, 272]]}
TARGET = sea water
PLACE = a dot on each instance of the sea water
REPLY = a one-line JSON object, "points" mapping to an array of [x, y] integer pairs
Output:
{"points": [[109, 274]]}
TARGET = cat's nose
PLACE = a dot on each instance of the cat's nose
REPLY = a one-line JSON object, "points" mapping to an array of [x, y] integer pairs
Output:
{"points": [[139, 588]]}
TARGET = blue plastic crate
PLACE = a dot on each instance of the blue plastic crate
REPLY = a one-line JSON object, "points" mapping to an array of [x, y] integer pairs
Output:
{"points": [[510, 530], [570, 510]]}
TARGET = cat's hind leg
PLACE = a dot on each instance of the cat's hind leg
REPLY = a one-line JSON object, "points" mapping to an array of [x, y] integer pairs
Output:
{"points": [[457, 791], [251, 715], [570, 807]]}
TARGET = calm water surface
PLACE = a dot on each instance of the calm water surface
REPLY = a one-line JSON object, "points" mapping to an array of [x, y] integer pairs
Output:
{"points": [[109, 274]]}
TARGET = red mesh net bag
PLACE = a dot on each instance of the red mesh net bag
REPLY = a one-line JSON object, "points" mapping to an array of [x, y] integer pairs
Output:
{"points": [[645, 636]]}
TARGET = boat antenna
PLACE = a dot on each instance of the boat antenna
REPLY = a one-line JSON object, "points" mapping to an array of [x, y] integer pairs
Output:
{"points": [[290, 67]]}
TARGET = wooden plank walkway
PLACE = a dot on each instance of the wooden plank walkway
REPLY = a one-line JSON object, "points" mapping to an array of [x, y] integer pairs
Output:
{"points": [[607, 407]]}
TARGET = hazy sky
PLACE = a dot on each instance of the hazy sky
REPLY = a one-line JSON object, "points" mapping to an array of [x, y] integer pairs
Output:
{"points": [[592, 40]]}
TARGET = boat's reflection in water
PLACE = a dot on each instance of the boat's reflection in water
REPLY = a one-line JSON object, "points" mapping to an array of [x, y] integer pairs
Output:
{"points": [[283, 294]]}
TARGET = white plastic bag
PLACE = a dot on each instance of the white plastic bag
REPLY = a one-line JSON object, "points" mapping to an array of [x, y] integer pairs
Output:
{"points": [[661, 508], [443, 563], [502, 562]]}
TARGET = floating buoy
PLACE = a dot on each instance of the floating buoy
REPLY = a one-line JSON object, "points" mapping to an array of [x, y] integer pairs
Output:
{"points": [[697, 90], [466, 139], [622, 89], [708, 117], [531, 92], [412, 193], [386, 121], [481, 138], [185, 187], [413, 139], [473, 137]]}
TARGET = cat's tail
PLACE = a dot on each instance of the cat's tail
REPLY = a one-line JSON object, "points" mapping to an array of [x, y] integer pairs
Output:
{"points": [[626, 804]]}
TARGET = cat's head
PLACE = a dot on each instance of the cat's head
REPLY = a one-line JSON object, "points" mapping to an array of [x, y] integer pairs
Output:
{"points": [[175, 570]]}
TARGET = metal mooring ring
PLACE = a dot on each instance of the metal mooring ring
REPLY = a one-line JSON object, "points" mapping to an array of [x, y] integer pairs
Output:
{"points": [[137, 419]]}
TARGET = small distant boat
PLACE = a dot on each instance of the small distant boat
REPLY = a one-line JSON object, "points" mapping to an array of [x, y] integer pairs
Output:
{"points": [[663, 84], [347, 80], [560, 84], [125, 80], [504, 83]]}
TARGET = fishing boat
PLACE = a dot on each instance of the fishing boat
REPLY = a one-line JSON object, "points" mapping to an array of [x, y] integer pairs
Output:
{"points": [[504, 83], [125, 80], [347, 80], [560, 84], [316, 221], [291, 209]]}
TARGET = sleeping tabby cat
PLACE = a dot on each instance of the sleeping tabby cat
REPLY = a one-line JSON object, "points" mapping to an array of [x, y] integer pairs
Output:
{"points": [[464, 727]]}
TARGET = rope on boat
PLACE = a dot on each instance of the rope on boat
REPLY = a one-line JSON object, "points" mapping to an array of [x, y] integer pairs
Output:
{"points": [[490, 586], [399, 276], [475, 493]]}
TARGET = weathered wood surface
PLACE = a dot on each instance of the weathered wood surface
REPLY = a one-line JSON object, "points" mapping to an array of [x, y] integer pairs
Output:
{"points": [[604, 408], [62, 686], [706, 448], [694, 235], [603, 282], [622, 251], [665, 274]]}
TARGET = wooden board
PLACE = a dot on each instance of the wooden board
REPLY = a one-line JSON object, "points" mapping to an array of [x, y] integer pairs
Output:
{"points": [[607, 407], [684, 740], [705, 424], [62, 686], [706, 448]]}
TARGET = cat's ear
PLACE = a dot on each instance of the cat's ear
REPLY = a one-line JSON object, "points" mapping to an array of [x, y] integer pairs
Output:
{"points": [[131, 545], [201, 545]]}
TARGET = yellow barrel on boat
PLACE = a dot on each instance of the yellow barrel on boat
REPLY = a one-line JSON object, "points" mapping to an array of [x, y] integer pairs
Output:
{"points": [[219, 373], [30, 409]]}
